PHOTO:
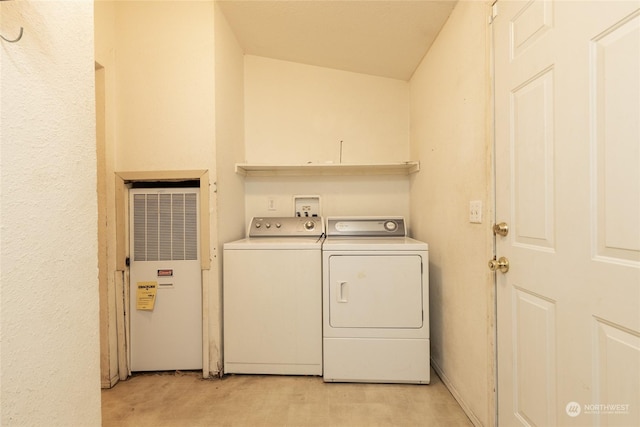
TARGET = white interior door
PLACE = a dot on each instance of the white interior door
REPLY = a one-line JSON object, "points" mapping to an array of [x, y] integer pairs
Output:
{"points": [[567, 110]]}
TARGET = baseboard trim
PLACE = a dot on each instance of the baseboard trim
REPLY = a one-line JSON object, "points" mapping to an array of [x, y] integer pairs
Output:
{"points": [[445, 380], [110, 383]]}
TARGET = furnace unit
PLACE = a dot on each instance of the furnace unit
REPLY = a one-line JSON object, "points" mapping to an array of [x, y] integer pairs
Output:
{"points": [[165, 299]]}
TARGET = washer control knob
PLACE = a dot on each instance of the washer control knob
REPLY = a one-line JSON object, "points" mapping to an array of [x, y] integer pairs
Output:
{"points": [[268, 225], [309, 225], [278, 225], [258, 225], [390, 226]]}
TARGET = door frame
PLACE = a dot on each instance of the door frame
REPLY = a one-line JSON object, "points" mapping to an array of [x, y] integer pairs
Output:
{"points": [[123, 181], [493, 192]]}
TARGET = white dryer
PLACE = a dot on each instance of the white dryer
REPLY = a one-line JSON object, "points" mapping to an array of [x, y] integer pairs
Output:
{"points": [[375, 302], [272, 298]]}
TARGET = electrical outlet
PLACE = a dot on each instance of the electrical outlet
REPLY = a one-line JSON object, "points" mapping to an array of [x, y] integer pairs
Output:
{"points": [[475, 211]]}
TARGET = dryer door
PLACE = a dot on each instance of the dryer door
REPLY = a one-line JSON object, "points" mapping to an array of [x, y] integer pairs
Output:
{"points": [[375, 291]]}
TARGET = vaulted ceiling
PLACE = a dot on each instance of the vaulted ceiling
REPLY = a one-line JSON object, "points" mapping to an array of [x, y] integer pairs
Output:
{"points": [[385, 38]]}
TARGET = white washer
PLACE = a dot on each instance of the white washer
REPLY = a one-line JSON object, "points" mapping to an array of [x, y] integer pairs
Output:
{"points": [[375, 302], [272, 298]]}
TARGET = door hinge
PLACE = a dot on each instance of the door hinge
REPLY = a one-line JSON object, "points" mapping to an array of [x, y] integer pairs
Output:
{"points": [[494, 12]]}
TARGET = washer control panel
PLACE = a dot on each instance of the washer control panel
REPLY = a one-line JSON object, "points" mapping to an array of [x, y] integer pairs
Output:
{"points": [[286, 227], [366, 226]]}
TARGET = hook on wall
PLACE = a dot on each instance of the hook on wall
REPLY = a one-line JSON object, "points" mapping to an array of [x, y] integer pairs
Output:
{"points": [[14, 40]]}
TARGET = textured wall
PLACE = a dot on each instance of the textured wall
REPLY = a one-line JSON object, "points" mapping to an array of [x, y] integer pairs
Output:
{"points": [[49, 287], [449, 99]]}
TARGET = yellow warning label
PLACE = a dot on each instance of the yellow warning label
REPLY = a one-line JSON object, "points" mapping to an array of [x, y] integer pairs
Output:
{"points": [[146, 295]]}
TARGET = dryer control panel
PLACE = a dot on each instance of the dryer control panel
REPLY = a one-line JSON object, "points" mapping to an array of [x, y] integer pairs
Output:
{"points": [[366, 226]]}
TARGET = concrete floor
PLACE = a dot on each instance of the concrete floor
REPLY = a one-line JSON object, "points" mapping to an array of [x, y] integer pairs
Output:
{"points": [[185, 399]]}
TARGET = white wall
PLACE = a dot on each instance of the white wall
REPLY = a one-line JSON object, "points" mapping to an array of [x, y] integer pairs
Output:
{"points": [[229, 90], [340, 195], [450, 136], [165, 85], [296, 113], [49, 278], [229, 98]]}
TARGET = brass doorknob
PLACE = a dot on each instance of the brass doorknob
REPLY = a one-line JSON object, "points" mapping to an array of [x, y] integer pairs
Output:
{"points": [[501, 229], [501, 264]]}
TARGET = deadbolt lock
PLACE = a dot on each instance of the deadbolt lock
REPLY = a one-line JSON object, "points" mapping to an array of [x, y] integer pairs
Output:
{"points": [[501, 229], [501, 264]]}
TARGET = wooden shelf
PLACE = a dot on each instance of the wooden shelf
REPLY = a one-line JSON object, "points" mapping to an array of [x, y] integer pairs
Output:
{"points": [[327, 169]]}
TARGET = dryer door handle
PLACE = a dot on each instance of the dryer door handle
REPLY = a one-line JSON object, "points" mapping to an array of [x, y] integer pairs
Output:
{"points": [[342, 292]]}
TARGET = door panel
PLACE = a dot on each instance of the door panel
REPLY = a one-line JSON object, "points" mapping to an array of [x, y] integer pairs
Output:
{"points": [[532, 147], [616, 353], [534, 324], [567, 153], [375, 291], [616, 129]]}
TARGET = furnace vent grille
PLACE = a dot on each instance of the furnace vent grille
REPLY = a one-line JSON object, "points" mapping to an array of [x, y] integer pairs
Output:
{"points": [[165, 226]]}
